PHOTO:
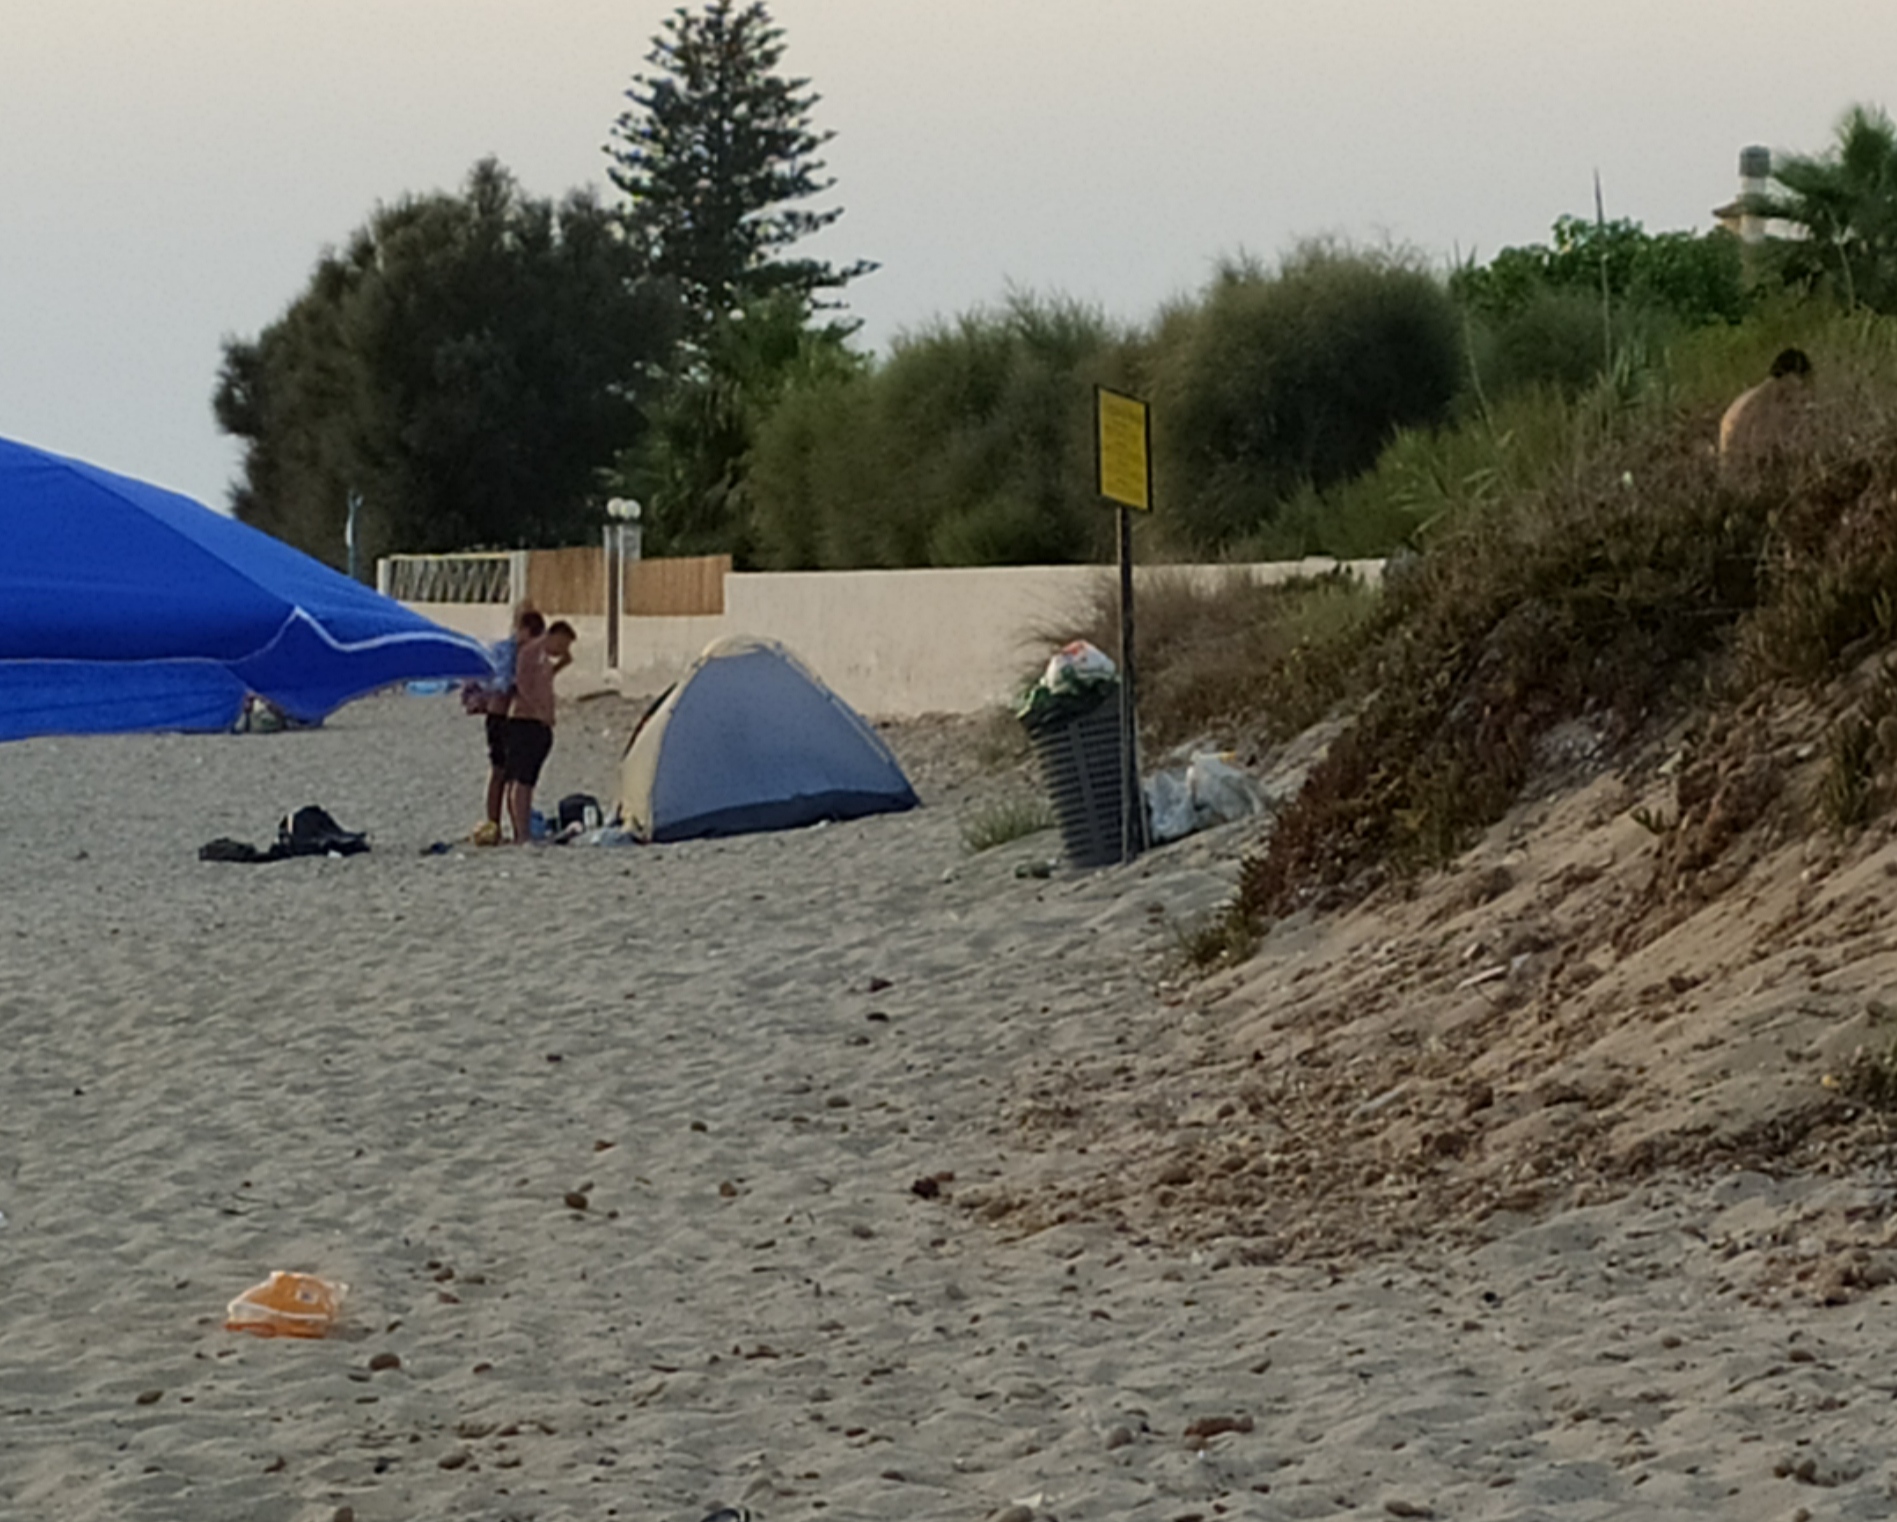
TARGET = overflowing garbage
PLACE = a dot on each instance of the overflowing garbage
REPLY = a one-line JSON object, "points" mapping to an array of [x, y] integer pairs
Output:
{"points": [[1065, 704], [1079, 677]]}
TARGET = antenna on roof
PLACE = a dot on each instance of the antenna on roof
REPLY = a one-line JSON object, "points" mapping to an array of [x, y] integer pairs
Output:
{"points": [[1607, 306]]}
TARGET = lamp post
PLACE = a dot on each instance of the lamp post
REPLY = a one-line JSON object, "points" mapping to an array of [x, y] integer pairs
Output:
{"points": [[623, 514]]}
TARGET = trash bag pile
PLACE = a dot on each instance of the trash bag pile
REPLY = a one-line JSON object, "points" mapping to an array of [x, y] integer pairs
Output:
{"points": [[1208, 791], [1079, 677]]}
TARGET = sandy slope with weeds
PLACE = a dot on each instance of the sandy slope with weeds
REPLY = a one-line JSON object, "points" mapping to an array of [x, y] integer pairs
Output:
{"points": [[1658, 965]]}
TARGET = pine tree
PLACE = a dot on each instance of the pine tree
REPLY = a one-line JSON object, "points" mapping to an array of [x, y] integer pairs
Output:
{"points": [[714, 157]]}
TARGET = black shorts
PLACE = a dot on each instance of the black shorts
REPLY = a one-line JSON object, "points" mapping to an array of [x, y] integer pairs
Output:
{"points": [[528, 744], [497, 741]]}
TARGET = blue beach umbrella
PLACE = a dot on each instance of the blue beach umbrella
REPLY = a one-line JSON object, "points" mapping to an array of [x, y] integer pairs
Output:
{"points": [[124, 607]]}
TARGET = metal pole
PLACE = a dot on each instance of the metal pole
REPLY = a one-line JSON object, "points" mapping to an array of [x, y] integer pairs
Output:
{"points": [[1132, 804], [615, 581]]}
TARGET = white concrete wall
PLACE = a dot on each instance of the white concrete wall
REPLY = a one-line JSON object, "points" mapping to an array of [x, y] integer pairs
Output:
{"points": [[891, 643]]}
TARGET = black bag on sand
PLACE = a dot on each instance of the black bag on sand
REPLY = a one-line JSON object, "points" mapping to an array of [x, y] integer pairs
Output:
{"points": [[226, 849], [308, 832], [581, 809], [311, 831]]}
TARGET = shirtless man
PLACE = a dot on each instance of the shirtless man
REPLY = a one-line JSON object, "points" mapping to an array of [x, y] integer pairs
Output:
{"points": [[530, 720], [492, 702], [1765, 421]]}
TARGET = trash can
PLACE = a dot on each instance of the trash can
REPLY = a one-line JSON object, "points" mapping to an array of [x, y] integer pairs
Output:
{"points": [[1079, 756]]}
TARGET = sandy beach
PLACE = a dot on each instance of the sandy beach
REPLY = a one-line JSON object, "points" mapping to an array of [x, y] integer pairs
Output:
{"points": [[617, 1150]]}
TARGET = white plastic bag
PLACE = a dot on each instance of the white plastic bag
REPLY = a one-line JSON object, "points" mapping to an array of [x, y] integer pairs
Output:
{"points": [[1076, 664], [1220, 792], [1169, 806]]}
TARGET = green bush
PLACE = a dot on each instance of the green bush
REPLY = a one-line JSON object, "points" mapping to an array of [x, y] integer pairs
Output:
{"points": [[1556, 338], [971, 445], [1294, 377]]}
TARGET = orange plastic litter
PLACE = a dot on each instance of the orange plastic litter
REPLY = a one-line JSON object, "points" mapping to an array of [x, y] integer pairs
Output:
{"points": [[287, 1305]]}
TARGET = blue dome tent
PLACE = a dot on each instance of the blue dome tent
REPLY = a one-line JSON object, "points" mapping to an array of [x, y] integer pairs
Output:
{"points": [[750, 740], [129, 607]]}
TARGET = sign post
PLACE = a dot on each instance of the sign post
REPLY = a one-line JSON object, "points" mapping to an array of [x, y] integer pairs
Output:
{"points": [[1123, 456]]}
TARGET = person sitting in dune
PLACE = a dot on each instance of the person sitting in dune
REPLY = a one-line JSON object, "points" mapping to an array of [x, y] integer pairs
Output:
{"points": [[1765, 421]]}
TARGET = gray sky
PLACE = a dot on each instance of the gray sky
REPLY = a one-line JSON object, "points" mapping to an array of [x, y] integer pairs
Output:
{"points": [[170, 170]]}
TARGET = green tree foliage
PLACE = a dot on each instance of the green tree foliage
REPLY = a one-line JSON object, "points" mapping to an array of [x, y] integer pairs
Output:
{"points": [[466, 362], [691, 469], [1844, 201], [1558, 313], [971, 445], [1698, 278], [1294, 378], [714, 156]]}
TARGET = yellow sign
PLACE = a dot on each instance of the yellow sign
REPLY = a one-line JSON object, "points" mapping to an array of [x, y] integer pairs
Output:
{"points": [[1122, 445]]}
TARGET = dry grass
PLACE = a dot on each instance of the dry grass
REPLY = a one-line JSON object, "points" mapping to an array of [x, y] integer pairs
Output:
{"points": [[1229, 655], [1004, 820]]}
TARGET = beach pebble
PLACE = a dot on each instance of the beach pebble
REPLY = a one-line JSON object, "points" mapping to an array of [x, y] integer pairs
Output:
{"points": [[1401, 1508], [150, 1397], [343, 1514], [1206, 1427], [1119, 1437], [575, 1200], [453, 1460], [383, 1361]]}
